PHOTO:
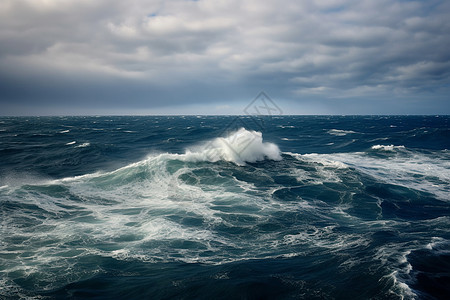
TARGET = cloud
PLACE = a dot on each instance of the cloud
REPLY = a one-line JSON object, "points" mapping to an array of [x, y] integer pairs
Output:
{"points": [[172, 52]]}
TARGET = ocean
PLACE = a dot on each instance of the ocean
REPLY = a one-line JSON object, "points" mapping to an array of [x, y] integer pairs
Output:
{"points": [[225, 207]]}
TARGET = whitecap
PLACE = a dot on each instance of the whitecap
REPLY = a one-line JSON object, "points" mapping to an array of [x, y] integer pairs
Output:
{"points": [[71, 143], [387, 147], [397, 258], [238, 147], [327, 170], [321, 159], [339, 132], [424, 172], [83, 145]]}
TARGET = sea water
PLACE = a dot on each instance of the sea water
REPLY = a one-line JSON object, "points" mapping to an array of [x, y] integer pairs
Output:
{"points": [[216, 207]]}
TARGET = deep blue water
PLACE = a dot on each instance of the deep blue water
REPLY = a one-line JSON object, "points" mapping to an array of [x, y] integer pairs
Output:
{"points": [[291, 207]]}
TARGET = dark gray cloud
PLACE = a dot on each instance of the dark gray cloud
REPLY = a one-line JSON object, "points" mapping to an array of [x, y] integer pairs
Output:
{"points": [[178, 56]]}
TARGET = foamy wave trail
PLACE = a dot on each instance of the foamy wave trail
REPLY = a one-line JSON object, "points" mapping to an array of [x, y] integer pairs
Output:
{"points": [[340, 132], [395, 164]]}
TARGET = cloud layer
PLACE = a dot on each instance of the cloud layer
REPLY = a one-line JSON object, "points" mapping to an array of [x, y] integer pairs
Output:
{"points": [[154, 54]]}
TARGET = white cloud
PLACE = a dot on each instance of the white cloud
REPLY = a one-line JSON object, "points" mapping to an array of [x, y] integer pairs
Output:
{"points": [[347, 47]]}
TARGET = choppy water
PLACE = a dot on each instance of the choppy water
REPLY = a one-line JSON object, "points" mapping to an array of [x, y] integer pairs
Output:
{"points": [[196, 208]]}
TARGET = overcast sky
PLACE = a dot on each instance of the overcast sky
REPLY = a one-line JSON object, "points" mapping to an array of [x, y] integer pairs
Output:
{"points": [[214, 56]]}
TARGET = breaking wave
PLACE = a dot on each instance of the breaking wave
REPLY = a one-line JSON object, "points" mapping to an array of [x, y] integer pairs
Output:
{"points": [[233, 200], [238, 147]]}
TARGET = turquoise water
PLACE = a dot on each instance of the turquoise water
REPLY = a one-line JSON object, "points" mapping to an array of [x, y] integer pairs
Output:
{"points": [[288, 207]]}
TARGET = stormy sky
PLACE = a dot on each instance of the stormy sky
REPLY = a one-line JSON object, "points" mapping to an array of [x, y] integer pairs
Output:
{"points": [[72, 57]]}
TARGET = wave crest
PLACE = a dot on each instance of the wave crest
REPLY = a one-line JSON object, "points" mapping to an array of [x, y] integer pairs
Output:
{"points": [[238, 147], [387, 147]]}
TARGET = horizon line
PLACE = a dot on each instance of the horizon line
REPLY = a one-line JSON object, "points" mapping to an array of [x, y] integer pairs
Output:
{"points": [[211, 115]]}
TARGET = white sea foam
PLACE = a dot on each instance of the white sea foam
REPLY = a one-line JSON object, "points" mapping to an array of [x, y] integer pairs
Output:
{"points": [[325, 237], [71, 143], [439, 244], [395, 256], [340, 132], [325, 169], [425, 172], [239, 147], [387, 147], [322, 159], [65, 131], [83, 145]]}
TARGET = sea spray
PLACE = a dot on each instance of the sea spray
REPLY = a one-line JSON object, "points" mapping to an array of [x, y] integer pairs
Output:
{"points": [[239, 147]]}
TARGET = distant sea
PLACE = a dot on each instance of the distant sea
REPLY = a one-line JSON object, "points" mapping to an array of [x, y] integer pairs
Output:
{"points": [[225, 207]]}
